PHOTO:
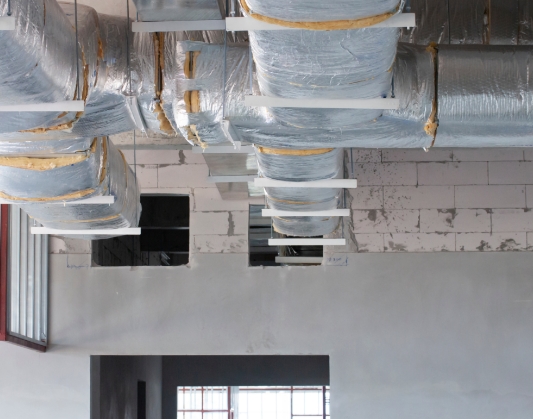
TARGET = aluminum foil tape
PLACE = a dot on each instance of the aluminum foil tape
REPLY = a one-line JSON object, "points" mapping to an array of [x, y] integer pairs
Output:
{"points": [[29, 50], [494, 22], [116, 179], [320, 11], [160, 10], [485, 96], [298, 166]]}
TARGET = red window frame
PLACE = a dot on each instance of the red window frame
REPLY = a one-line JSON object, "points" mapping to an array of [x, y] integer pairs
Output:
{"points": [[4, 252]]}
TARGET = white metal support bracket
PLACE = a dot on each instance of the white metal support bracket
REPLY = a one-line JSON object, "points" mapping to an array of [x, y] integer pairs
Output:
{"points": [[306, 242], [180, 26], [326, 183], [7, 23], [96, 232], [328, 213], [67, 106]]}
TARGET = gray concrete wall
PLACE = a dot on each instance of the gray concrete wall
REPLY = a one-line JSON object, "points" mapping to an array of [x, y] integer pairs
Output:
{"points": [[444, 335]]}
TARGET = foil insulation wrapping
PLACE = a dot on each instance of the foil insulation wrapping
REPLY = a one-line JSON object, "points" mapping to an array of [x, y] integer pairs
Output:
{"points": [[320, 11], [200, 104], [117, 180], [414, 86], [494, 22], [298, 166], [37, 64], [165, 10], [52, 177], [42, 148], [485, 96], [103, 80], [304, 64]]}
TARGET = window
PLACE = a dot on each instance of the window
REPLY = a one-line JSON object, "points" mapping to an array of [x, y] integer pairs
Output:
{"points": [[261, 254], [282, 402], [164, 239], [23, 281]]}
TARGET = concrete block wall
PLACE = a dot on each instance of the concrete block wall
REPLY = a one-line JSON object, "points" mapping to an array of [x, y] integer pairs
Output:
{"points": [[442, 200], [407, 201], [216, 226]]}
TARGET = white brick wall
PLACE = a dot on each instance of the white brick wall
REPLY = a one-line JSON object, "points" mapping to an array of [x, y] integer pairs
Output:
{"points": [[407, 201], [461, 200]]}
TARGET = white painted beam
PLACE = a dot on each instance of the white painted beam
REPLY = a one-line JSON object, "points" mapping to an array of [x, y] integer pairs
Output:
{"points": [[328, 213], [180, 26], [96, 232], [298, 260], [326, 183], [7, 23], [230, 179], [67, 106], [95, 200], [226, 149], [280, 102], [306, 242], [237, 24]]}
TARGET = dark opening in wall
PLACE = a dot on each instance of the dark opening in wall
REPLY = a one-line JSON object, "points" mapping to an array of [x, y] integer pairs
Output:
{"points": [[141, 399], [164, 239], [261, 254]]}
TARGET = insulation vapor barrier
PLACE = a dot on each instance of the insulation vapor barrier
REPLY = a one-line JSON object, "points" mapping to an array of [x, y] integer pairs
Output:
{"points": [[298, 166], [485, 96], [494, 22], [111, 176], [48, 53]]}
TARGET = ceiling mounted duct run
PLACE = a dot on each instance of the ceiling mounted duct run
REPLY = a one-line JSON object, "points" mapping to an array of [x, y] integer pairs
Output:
{"points": [[104, 172], [299, 166], [47, 51]]}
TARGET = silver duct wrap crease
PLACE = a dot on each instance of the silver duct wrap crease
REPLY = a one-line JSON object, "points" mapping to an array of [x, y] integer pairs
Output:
{"points": [[298, 166], [37, 64], [115, 179], [485, 96], [321, 11], [165, 10], [42, 148], [494, 22]]}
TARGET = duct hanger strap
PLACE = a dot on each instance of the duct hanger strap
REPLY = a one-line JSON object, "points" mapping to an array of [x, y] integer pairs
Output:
{"points": [[7, 23], [67, 106], [279, 102]]}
